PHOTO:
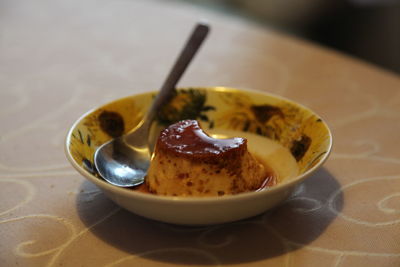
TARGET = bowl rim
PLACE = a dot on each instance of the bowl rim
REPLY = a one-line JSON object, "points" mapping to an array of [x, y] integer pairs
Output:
{"points": [[126, 192]]}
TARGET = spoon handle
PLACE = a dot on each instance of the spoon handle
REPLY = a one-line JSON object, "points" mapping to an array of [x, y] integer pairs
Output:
{"points": [[191, 47]]}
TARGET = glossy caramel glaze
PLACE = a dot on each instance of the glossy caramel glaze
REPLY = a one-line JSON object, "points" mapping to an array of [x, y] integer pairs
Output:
{"points": [[187, 139]]}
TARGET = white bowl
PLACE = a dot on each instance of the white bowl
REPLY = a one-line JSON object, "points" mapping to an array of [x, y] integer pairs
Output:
{"points": [[286, 127]]}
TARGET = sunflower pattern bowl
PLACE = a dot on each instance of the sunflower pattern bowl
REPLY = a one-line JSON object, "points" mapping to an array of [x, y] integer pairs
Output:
{"points": [[292, 139]]}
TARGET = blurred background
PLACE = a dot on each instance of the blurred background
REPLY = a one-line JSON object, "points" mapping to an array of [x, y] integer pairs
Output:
{"points": [[366, 29]]}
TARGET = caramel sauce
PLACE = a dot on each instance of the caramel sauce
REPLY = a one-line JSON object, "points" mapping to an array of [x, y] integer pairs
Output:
{"points": [[142, 188], [271, 177], [187, 139]]}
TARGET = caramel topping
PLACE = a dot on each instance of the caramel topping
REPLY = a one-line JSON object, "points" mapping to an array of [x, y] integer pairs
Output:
{"points": [[186, 138]]}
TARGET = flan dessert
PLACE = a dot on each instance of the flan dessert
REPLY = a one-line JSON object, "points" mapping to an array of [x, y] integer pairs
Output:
{"points": [[188, 162]]}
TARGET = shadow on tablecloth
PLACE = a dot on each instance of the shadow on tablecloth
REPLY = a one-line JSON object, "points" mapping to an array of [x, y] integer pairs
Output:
{"points": [[296, 223]]}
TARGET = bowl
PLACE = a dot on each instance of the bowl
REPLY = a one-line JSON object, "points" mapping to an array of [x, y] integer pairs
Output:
{"points": [[291, 138]]}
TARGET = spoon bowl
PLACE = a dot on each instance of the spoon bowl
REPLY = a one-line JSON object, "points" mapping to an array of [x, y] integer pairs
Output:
{"points": [[121, 164], [124, 161]]}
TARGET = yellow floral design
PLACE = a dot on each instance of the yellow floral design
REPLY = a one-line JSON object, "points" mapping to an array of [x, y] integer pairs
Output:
{"points": [[295, 127], [90, 132]]}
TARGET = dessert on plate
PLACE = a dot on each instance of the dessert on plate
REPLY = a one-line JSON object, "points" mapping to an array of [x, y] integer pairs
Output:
{"points": [[189, 162]]}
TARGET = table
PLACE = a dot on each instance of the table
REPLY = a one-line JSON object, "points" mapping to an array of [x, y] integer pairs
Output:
{"points": [[59, 59]]}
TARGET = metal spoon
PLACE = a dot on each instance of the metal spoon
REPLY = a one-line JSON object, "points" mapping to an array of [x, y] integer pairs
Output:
{"points": [[124, 161]]}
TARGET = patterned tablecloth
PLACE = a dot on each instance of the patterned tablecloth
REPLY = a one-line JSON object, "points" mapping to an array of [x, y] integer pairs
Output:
{"points": [[59, 59]]}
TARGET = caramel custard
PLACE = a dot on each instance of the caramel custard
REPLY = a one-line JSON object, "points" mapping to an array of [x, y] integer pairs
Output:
{"points": [[188, 162]]}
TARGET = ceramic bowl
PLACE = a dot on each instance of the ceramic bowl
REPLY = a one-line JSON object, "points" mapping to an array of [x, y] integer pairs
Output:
{"points": [[291, 138]]}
